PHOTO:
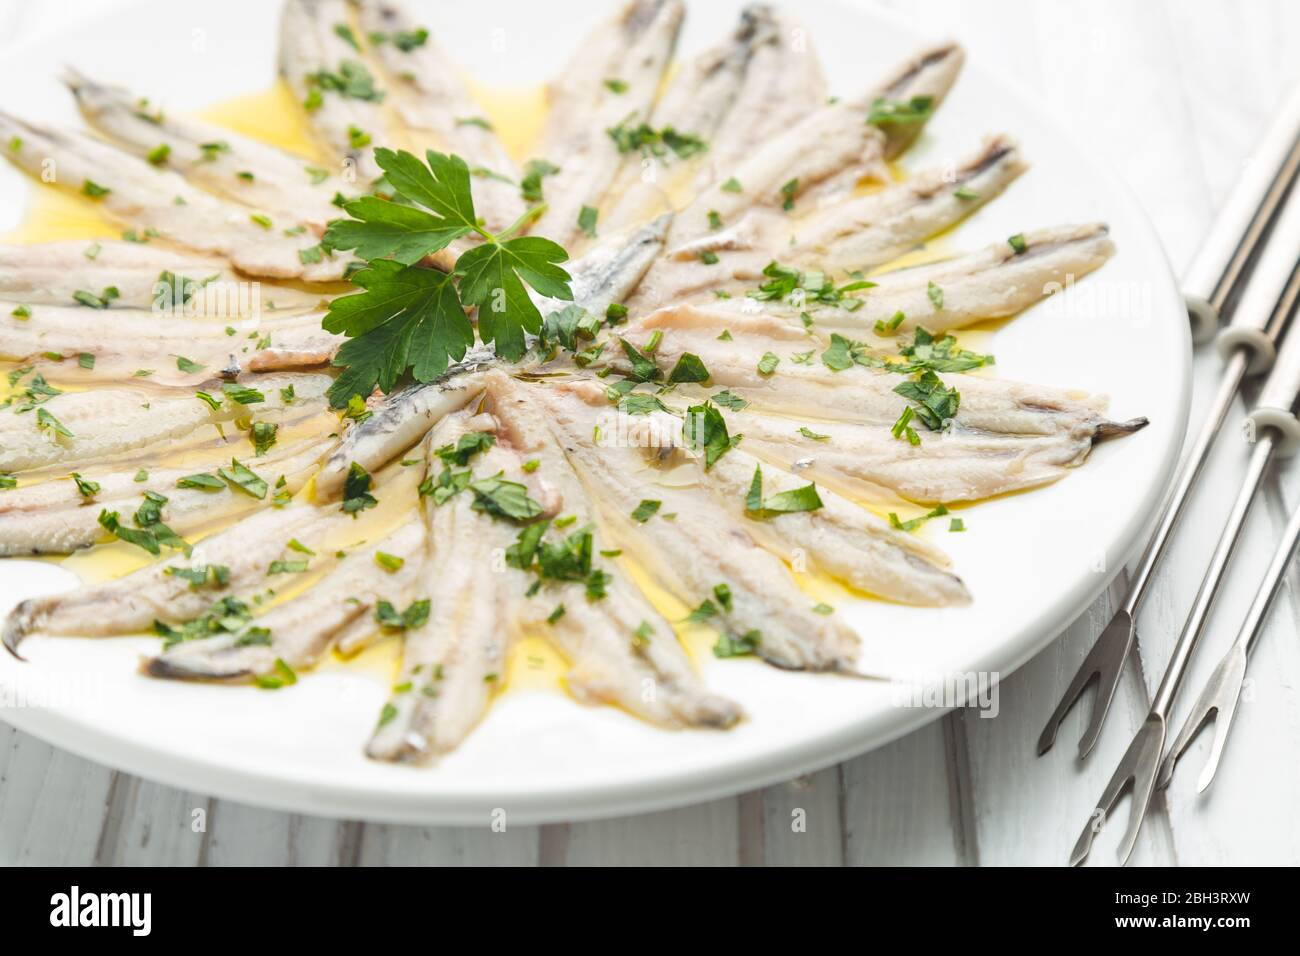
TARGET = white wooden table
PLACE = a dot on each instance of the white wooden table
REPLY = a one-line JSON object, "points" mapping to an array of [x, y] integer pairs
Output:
{"points": [[1174, 94]]}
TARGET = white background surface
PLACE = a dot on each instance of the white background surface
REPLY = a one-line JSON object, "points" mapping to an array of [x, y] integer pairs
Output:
{"points": [[1173, 94]]}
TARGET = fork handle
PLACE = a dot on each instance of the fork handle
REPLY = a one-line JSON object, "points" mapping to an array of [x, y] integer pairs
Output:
{"points": [[1261, 314], [1225, 254], [1277, 399]]}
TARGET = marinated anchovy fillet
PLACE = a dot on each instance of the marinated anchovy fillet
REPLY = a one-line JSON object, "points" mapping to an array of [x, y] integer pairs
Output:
{"points": [[996, 282], [159, 201], [816, 160], [839, 537], [618, 645], [340, 607], [74, 428], [158, 593], [723, 105], [854, 235], [289, 188], [867, 394], [55, 517], [343, 98], [598, 107], [144, 275], [451, 663], [176, 350], [700, 548]]}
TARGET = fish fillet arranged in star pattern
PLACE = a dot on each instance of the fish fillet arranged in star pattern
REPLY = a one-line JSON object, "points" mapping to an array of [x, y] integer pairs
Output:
{"points": [[232, 166], [597, 110], [154, 200], [77, 428]]}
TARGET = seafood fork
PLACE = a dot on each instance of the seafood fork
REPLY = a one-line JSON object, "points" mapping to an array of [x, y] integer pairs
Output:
{"points": [[1248, 345], [1218, 700], [1277, 432]]}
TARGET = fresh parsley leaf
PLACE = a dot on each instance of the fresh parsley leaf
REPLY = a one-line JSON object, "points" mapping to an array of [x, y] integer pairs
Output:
{"points": [[242, 394], [201, 481], [380, 229], [936, 404], [915, 523], [407, 318], [706, 430], [689, 368], [729, 645], [785, 502], [356, 490], [886, 112], [493, 276], [935, 294], [644, 368], [728, 400], [504, 499], [245, 479]]}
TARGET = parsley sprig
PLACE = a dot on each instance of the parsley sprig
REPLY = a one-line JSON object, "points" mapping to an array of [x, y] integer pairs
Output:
{"points": [[412, 318]]}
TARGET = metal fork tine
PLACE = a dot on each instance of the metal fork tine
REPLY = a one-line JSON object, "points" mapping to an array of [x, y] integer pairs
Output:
{"points": [[1216, 704], [1104, 664], [1146, 766], [1136, 768]]}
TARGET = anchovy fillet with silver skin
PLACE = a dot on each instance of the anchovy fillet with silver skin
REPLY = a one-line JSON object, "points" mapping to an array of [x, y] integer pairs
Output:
{"points": [[866, 461], [131, 604], [605, 274], [112, 422], [700, 548], [51, 273], [728, 98], [52, 517], [817, 160], [871, 230], [632, 48], [783, 83], [861, 394], [235, 167], [854, 235], [341, 604], [839, 538], [608, 662], [345, 125], [993, 283], [156, 341], [451, 664], [432, 100], [931, 73], [140, 195]]}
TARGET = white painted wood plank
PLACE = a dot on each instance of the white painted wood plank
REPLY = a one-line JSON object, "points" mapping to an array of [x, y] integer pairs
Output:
{"points": [[706, 834], [795, 823], [898, 806], [390, 845], [148, 824], [51, 803], [240, 835]]}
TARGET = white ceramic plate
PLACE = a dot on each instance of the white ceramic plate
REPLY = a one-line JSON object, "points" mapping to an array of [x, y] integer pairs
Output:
{"points": [[1033, 561]]}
